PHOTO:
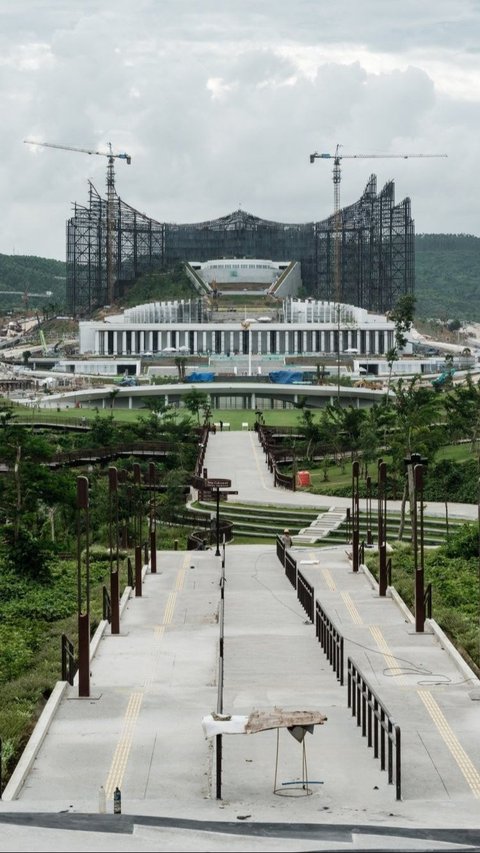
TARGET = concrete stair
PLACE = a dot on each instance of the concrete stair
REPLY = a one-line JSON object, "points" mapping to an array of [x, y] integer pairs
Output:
{"points": [[321, 526]]}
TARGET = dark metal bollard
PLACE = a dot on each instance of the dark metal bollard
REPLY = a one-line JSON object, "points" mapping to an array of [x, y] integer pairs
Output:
{"points": [[117, 801]]}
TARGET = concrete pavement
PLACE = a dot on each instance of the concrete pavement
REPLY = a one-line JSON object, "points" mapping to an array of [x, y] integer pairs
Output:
{"points": [[141, 728]]}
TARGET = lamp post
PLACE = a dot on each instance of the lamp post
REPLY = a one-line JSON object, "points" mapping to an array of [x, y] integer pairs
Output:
{"points": [[153, 517], [114, 573], [414, 466], [138, 530], [220, 487], [355, 516], [382, 528], [369, 511], [83, 588]]}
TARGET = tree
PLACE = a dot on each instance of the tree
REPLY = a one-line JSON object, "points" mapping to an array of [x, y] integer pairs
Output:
{"points": [[462, 406], [181, 365], [402, 316], [416, 429], [112, 395], [195, 400]]}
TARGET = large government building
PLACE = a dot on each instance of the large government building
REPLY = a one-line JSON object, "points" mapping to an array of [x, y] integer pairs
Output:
{"points": [[373, 238], [302, 327]]}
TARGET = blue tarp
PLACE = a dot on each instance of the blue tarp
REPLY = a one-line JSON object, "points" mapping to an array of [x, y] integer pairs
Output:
{"points": [[286, 377], [200, 377]]}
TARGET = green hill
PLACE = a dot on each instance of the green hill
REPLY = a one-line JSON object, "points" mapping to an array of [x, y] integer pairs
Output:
{"points": [[28, 274], [447, 273]]}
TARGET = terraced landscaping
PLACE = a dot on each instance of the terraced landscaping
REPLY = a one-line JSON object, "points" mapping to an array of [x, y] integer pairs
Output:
{"points": [[263, 523]]}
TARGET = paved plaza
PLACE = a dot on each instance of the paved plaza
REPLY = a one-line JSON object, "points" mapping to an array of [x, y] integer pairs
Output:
{"points": [[141, 728]]}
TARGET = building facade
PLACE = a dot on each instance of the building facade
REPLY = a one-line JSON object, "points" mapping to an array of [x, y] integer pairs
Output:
{"points": [[307, 328]]}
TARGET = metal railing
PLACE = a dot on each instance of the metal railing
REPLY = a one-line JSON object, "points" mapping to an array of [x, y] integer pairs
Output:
{"points": [[291, 569], [305, 595], [69, 664], [427, 601], [130, 577], [100, 454], [377, 725], [106, 605], [331, 641], [281, 550]]}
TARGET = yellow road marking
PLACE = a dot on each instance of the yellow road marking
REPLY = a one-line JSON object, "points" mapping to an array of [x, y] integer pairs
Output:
{"points": [[329, 579], [385, 649], [120, 758], [464, 763], [357, 619]]}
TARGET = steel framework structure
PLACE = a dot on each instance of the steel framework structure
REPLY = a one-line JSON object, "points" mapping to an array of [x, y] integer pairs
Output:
{"points": [[377, 248]]}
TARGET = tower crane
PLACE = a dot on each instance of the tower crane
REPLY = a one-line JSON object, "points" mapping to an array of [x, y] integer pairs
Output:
{"points": [[337, 158], [110, 198]]}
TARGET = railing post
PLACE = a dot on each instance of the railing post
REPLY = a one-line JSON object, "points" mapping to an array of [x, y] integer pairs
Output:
{"points": [[138, 570]]}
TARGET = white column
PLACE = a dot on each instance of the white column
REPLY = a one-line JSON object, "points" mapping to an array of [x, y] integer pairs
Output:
{"points": [[130, 402], [222, 343], [377, 341]]}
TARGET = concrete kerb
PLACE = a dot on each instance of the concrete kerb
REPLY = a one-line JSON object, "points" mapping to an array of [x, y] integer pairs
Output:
{"points": [[432, 627], [35, 741], [37, 737], [459, 662]]}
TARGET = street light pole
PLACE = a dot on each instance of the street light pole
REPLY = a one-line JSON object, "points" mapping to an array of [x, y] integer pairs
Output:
{"points": [[114, 573], [153, 518], [83, 591], [138, 530], [382, 528]]}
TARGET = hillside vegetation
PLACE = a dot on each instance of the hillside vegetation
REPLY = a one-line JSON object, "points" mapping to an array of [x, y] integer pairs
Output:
{"points": [[28, 273], [447, 272]]}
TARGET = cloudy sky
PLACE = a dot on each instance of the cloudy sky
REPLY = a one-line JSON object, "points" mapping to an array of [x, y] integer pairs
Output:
{"points": [[220, 102]]}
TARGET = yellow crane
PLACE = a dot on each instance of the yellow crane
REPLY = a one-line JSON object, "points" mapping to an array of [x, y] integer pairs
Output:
{"points": [[337, 158], [111, 157]]}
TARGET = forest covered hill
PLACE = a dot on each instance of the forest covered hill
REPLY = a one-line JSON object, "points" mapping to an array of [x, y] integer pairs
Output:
{"points": [[27, 275], [447, 272]]}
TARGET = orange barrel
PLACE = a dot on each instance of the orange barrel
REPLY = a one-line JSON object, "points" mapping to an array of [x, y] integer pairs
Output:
{"points": [[303, 478]]}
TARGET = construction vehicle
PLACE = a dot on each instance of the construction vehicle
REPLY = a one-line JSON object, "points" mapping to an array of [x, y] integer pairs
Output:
{"points": [[110, 201], [444, 378]]}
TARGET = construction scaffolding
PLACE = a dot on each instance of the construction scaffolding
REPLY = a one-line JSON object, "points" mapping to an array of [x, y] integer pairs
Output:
{"points": [[377, 249]]}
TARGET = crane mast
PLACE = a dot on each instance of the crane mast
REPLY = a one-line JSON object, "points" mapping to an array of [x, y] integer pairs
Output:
{"points": [[337, 246], [110, 218]]}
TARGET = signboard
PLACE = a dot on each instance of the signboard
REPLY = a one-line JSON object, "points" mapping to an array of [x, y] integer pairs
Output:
{"points": [[217, 483]]}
